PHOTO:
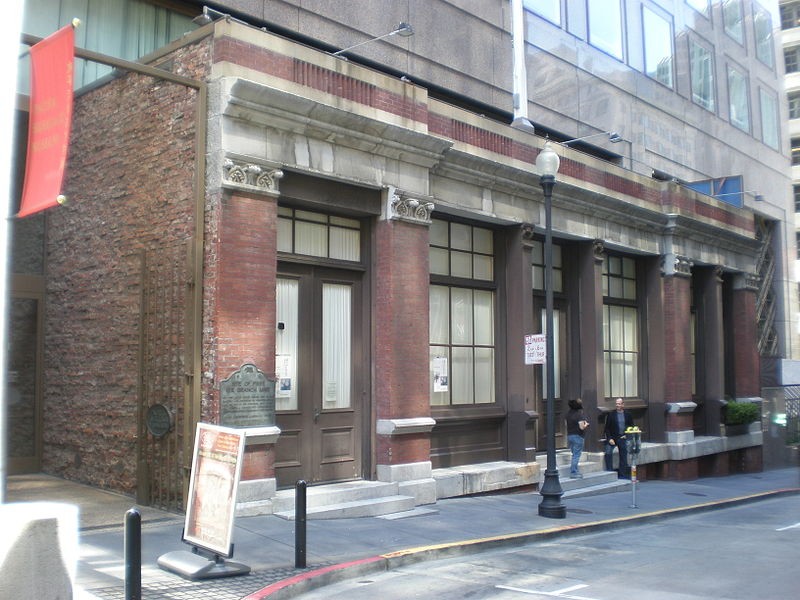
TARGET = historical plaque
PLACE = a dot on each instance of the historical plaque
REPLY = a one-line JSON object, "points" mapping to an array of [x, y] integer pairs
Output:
{"points": [[160, 420], [247, 399]]}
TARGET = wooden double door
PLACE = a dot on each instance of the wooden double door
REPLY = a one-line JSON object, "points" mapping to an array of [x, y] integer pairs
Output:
{"points": [[322, 374]]}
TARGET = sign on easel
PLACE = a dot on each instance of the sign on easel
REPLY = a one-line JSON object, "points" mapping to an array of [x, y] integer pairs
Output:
{"points": [[216, 467]]}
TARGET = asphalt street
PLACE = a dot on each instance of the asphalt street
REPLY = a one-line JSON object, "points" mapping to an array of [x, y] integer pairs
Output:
{"points": [[742, 552]]}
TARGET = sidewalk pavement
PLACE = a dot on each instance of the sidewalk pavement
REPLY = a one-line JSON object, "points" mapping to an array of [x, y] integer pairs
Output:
{"points": [[342, 548]]}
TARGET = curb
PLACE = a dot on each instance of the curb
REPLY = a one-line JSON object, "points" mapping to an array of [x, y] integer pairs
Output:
{"points": [[311, 580]]}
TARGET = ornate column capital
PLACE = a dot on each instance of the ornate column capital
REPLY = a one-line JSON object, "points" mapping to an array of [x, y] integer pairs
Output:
{"points": [[674, 264], [251, 177], [402, 207], [598, 251]]}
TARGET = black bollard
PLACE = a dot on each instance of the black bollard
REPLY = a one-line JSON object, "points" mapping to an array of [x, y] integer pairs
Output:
{"points": [[133, 555], [300, 524]]}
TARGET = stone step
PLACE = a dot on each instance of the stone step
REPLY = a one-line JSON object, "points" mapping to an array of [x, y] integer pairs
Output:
{"points": [[372, 507], [334, 494]]}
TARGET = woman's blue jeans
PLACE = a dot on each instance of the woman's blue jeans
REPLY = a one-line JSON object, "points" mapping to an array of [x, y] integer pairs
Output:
{"points": [[575, 442]]}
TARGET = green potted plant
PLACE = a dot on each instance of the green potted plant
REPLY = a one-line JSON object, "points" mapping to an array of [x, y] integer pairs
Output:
{"points": [[739, 415]]}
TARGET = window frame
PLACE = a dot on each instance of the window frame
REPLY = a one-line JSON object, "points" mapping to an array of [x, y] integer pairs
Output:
{"points": [[763, 96], [614, 48], [671, 27], [764, 38], [746, 125], [709, 104], [628, 303], [733, 20]]}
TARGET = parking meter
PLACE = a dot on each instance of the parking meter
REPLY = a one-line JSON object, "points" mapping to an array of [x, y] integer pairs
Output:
{"points": [[633, 437]]}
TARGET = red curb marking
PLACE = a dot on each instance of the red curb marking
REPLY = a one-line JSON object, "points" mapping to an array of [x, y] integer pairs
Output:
{"points": [[279, 585]]}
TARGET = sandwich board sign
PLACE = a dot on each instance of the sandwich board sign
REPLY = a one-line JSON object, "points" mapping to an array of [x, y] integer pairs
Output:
{"points": [[216, 468]]}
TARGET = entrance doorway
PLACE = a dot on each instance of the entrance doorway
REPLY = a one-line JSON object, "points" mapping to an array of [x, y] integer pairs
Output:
{"points": [[322, 374], [560, 370], [23, 376]]}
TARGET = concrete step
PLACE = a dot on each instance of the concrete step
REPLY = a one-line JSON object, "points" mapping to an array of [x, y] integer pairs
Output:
{"points": [[372, 507], [334, 493]]}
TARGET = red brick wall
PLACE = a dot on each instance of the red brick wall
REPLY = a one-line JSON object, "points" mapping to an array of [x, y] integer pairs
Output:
{"points": [[745, 344], [401, 336], [130, 187]]}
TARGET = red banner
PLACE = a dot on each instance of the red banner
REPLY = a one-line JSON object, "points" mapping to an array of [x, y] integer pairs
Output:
{"points": [[50, 120]]}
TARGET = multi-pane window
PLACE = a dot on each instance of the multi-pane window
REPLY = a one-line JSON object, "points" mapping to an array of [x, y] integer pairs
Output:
{"points": [[658, 53], [791, 59], [462, 315], [537, 267], [794, 105], [605, 26], [795, 151], [796, 190], [762, 26], [549, 9], [769, 119], [739, 99], [797, 243], [620, 327], [732, 19], [702, 75], [317, 234], [790, 15]]}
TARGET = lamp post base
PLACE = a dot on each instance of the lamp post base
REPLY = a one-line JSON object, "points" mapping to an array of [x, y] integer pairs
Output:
{"points": [[551, 492]]}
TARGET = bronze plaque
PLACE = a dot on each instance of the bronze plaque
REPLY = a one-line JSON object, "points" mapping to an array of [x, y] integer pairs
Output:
{"points": [[160, 420], [247, 399]]}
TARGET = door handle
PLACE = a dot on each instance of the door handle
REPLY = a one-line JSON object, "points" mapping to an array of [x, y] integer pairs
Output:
{"points": [[317, 412]]}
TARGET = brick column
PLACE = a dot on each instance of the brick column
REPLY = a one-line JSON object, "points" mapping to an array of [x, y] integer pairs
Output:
{"points": [[244, 322], [746, 359], [709, 313], [402, 371], [590, 299], [678, 368]]}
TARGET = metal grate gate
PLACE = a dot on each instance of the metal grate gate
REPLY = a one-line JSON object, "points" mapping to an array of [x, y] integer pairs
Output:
{"points": [[163, 454]]}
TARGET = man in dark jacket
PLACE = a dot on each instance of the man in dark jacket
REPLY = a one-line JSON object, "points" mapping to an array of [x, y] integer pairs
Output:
{"points": [[616, 424]]}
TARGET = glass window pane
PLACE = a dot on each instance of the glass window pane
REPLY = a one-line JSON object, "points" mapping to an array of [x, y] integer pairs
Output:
{"points": [[558, 285], [628, 267], [484, 375], [732, 17], [763, 30], [440, 378], [615, 287], [439, 315], [549, 9], [286, 296], [336, 344], [439, 261], [461, 316], [462, 376], [657, 47], [699, 5], [438, 232], [310, 216], [631, 342], [461, 264], [616, 369], [345, 222], [460, 236], [345, 244], [605, 26], [537, 253], [769, 119], [484, 318], [537, 273], [482, 240], [311, 239], [557, 256], [483, 267], [739, 100], [284, 235], [702, 76], [616, 329]]}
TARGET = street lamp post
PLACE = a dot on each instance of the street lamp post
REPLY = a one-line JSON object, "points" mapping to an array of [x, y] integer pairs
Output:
{"points": [[547, 162]]}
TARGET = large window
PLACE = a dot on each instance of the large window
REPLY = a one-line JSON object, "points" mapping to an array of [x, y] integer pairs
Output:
{"points": [[702, 75], [462, 314], [795, 151], [790, 15], [318, 234], [549, 9], [738, 96], [794, 105], [605, 26], [125, 29], [657, 47], [791, 59], [796, 190], [762, 24], [620, 327], [769, 119], [732, 19]]}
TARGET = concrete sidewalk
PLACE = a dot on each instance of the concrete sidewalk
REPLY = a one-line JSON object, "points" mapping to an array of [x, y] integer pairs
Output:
{"points": [[349, 547]]}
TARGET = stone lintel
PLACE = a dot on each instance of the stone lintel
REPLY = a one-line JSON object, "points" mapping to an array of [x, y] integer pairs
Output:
{"points": [[680, 407], [405, 426]]}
